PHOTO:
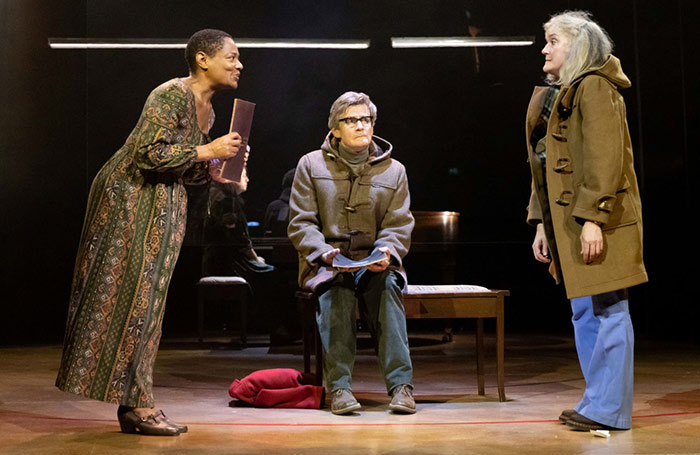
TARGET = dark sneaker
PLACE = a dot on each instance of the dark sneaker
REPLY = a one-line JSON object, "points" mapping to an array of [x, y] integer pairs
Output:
{"points": [[566, 415], [402, 400], [342, 402], [581, 423]]}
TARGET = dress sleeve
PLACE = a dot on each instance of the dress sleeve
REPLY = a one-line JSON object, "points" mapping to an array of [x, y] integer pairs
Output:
{"points": [[162, 143], [198, 174]]}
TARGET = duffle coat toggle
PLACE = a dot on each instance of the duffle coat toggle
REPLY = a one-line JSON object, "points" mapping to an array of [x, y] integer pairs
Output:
{"points": [[563, 166], [558, 136], [564, 198]]}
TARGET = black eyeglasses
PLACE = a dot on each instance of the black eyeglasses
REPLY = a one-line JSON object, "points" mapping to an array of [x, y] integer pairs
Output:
{"points": [[351, 121]]}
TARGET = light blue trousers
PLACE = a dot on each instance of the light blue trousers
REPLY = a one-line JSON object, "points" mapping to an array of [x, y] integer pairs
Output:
{"points": [[380, 294], [605, 346]]}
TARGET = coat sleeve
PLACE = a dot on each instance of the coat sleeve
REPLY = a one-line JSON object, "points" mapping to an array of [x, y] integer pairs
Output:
{"points": [[304, 228], [397, 224], [603, 126], [160, 144], [534, 211]]}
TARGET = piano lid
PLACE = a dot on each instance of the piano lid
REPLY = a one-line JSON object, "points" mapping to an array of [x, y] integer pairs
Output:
{"points": [[435, 226]]}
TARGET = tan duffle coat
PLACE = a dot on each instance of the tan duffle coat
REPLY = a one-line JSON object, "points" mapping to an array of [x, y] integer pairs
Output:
{"points": [[589, 176], [329, 207]]}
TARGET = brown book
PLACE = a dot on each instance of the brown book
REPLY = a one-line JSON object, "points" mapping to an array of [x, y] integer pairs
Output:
{"points": [[241, 121]]}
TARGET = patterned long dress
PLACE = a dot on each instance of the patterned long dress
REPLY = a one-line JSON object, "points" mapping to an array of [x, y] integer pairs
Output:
{"points": [[131, 238]]}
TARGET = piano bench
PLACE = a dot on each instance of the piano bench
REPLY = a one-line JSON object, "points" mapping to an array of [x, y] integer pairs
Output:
{"points": [[426, 302]]}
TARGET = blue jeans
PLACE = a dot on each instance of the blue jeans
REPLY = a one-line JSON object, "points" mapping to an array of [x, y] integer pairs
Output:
{"points": [[605, 346], [380, 294]]}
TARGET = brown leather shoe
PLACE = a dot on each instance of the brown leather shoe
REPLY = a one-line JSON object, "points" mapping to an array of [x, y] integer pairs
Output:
{"points": [[566, 415], [402, 401], [180, 428], [581, 423], [153, 425], [343, 402]]}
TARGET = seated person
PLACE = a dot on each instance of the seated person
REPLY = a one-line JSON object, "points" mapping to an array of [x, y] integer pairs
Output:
{"points": [[351, 197], [228, 250], [277, 212], [227, 246]]}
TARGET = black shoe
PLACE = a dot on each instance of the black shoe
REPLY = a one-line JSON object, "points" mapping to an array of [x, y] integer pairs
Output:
{"points": [[581, 423], [566, 415]]}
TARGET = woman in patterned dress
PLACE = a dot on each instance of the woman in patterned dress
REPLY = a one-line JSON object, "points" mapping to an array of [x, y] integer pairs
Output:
{"points": [[131, 238]]}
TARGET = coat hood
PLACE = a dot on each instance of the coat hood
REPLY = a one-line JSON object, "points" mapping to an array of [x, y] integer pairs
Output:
{"points": [[380, 149], [612, 71]]}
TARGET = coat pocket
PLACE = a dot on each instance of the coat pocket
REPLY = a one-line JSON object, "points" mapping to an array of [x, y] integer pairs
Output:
{"points": [[624, 212], [330, 185], [379, 181]]}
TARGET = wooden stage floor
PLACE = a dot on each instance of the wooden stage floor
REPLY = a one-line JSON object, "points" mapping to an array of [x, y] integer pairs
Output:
{"points": [[542, 378]]}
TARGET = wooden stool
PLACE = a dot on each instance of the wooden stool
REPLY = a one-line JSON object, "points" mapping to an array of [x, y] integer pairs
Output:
{"points": [[426, 302], [223, 288]]}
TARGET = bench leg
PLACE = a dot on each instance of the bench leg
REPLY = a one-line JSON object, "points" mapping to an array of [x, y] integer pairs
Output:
{"points": [[244, 318], [200, 317], [319, 355], [306, 336], [480, 355], [500, 348]]}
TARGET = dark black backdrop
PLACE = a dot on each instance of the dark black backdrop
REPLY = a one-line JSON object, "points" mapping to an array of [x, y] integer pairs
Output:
{"points": [[458, 131]]}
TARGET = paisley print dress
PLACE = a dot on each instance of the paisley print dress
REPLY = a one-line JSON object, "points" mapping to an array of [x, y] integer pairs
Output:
{"points": [[131, 238]]}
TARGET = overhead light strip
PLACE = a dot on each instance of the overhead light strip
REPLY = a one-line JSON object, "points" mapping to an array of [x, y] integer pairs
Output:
{"points": [[243, 43], [460, 41]]}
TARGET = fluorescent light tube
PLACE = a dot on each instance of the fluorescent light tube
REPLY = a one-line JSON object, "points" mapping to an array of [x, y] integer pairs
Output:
{"points": [[460, 41], [243, 43]]}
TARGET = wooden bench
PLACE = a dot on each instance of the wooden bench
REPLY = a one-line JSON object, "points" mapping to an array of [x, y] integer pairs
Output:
{"points": [[427, 302]]}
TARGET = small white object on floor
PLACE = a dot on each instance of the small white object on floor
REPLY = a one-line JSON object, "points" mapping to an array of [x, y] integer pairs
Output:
{"points": [[601, 433]]}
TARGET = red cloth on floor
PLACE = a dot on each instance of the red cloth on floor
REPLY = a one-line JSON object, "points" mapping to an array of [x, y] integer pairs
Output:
{"points": [[277, 388]]}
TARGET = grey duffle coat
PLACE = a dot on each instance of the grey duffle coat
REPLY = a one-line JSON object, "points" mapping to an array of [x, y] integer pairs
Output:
{"points": [[329, 207]]}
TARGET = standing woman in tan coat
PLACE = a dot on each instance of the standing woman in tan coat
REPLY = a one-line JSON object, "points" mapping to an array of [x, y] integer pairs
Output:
{"points": [[586, 207]]}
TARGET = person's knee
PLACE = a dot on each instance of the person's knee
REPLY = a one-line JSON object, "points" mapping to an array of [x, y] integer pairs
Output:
{"points": [[392, 281]]}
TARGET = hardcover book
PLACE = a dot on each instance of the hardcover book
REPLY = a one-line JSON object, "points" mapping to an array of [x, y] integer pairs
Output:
{"points": [[241, 122]]}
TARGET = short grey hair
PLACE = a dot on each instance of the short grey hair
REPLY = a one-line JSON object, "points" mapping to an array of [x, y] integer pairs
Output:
{"points": [[346, 100], [589, 45]]}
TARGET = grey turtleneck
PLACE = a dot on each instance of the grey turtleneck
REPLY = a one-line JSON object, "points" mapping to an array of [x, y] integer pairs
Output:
{"points": [[355, 160]]}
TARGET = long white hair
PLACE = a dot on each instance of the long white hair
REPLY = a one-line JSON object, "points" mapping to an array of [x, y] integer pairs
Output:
{"points": [[589, 44]]}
